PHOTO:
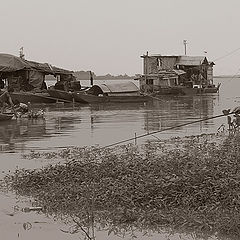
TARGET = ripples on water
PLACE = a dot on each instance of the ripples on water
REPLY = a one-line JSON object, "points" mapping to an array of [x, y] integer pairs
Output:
{"points": [[104, 124]]}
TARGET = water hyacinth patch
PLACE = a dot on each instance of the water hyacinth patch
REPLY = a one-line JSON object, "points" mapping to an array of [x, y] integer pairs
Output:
{"points": [[184, 185]]}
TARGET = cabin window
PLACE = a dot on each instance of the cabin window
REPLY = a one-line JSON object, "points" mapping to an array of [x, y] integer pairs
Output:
{"points": [[149, 81]]}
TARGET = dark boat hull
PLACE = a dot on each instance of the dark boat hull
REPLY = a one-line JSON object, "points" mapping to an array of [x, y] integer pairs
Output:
{"points": [[26, 97], [6, 116], [61, 95], [89, 98], [197, 91], [181, 90]]}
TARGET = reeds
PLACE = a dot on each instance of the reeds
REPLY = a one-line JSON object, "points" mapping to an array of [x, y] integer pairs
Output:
{"points": [[193, 186]]}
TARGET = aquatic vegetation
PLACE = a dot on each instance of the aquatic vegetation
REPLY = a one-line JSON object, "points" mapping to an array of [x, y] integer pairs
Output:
{"points": [[184, 185]]}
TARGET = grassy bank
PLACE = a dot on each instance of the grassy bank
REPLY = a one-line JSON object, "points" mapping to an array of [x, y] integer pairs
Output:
{"points": [[186, 185]]}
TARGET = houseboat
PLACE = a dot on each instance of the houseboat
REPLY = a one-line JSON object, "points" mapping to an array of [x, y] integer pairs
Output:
{"points": [[177, 75], [25, 80]]}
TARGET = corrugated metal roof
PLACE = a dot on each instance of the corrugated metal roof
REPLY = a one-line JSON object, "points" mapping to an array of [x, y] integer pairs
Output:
{"points": [[47, 68], [191, 60], [117, 87]]}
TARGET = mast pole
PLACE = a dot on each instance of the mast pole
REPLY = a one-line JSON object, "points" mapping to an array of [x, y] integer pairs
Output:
{"points": [[185, 46]]}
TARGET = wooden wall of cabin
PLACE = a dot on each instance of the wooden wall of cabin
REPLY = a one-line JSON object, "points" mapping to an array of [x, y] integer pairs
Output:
{"points": [[210, 74], [150, 65], [155, 64], [166, 63]]}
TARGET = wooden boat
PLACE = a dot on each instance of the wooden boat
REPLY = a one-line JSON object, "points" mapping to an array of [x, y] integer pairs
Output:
{"points": [[26, 97], [90, 98], [61, 95], [187, 90], [198, 90], [67, 96], [6, 116], [25, 80], [125, 92]]}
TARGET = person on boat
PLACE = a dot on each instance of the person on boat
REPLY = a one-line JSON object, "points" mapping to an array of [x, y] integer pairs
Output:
{"points": [[22, 108]]}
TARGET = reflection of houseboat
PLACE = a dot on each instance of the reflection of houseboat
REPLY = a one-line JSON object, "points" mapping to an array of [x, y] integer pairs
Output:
{"points": [[25, 80], [181, 75], [118, 92]]}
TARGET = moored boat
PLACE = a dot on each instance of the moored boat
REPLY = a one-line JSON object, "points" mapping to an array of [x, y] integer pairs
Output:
{"points": [[177, 75], [25, 80], [90, 98], [6, 116], [26, 97], [125, 92], [197, 90], [61, 95]]}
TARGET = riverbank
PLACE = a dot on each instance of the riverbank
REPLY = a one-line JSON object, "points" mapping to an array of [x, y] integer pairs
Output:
{"points": [[188, 185]]}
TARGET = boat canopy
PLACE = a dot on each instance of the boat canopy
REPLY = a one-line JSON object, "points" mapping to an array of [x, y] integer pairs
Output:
{"points": [[21, 74], [124, 87], [11, 63]]}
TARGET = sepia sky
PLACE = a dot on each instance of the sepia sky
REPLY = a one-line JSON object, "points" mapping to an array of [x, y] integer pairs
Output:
{"points": [[109, 36]]}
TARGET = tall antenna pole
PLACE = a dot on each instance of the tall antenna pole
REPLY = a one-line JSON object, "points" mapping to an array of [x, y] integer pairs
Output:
{"points": [[21, 54], [185, 46]]}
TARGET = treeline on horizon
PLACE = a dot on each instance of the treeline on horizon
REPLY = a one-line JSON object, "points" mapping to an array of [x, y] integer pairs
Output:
{"points": [[85, 75]]}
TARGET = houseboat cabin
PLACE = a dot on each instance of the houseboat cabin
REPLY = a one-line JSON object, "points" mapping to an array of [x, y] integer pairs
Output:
{"points": [[175, 74]]}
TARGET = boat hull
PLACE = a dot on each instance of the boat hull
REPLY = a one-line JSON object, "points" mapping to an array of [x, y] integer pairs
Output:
{"points": [[198, 91], [181, 90], [61, 95], [89, 98], [6, 116], [26, 97]]}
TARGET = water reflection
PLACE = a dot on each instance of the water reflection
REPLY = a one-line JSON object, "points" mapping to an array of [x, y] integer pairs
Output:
{"points": [[171, 112], [104, 124], [15, 133]]}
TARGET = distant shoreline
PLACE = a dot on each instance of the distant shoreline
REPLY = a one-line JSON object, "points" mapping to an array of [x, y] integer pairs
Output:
{"points": [[227, 76]]}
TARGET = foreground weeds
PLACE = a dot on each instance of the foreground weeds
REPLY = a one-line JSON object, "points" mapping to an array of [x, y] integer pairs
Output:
{"points": [[187, 185]]}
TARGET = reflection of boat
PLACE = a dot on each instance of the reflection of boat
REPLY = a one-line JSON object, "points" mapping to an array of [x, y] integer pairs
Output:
{"points": [[6, 116], [118, 92]]}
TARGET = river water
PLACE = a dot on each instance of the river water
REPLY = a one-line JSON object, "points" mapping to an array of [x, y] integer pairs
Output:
{"points": [[103, 124]]}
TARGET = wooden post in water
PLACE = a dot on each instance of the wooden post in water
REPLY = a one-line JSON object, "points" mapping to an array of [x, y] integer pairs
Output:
{"points": [[73, 101], [135, 139]]}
